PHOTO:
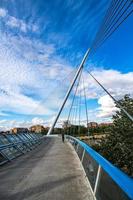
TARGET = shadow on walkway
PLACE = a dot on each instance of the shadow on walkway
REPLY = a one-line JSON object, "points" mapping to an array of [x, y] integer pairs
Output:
{"points": [[37, 190]]}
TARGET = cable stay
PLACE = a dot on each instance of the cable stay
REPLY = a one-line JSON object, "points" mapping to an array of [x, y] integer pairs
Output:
{"points": [[85, 99], [104, 22], [110, 32], [69, 119], [118, 104], [74, 120], [76, 114], [121, 11], [74, 96]]}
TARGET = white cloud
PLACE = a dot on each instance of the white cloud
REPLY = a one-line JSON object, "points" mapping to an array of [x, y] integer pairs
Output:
{"points": [[107, 107], [23, 26], [14, 22], [32, 67], [21, 104], [37, 120], [48, 122], [25, 87], [116, 82], [9, 124], [3, 12], [35, 28], [6, 124], [16, 66]]}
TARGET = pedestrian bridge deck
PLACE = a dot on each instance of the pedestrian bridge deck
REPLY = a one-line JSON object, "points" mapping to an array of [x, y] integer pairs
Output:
{"points": [[51, 171]]}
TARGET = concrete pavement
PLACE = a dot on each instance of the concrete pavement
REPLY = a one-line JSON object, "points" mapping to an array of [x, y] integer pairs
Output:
{"points": [[52, 171]]}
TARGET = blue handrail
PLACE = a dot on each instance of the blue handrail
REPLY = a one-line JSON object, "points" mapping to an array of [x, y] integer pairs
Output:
{"points": [[124, 181]]}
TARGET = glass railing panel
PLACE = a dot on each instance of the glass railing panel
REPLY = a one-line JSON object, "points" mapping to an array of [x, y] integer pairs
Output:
{"points": [[25, 142], [3, 139], [15, 148], [91, 168], [21, 145], [25, 139], [108, 189], [9, 152], [32, 137], [79, 151], [2, 159]]}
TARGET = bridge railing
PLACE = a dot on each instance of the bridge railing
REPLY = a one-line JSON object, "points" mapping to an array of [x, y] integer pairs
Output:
{"points": [[14, 145], [106, 180]]}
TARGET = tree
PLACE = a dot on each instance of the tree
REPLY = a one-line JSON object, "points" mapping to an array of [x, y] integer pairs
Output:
{"points": [[118, 146], [66, 124], [74, 130], [57, 131]]}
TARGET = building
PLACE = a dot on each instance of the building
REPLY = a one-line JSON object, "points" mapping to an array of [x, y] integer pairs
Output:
{"points": [[37, 129], [19, 130], [105, 124], [92, 125]]}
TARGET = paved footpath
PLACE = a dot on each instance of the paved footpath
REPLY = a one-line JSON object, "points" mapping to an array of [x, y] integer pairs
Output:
{"points": [[52, 171]]}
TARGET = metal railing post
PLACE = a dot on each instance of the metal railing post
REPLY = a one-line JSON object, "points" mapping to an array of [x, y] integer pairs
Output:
{"points": [[83, 156], [97, 180], [77, 147]]}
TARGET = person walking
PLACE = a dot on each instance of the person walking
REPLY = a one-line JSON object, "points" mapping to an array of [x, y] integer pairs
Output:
{"points": [[63, 137]]}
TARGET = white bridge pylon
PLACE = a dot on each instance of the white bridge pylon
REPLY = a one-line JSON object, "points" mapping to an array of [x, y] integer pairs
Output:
{"points": [[69, 91]]}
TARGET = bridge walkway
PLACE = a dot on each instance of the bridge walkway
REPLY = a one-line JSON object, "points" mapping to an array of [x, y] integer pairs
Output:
{"points": [[52, 172]]}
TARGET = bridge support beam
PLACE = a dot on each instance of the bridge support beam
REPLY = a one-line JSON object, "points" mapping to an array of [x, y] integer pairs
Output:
{"points": [[97, 180]]}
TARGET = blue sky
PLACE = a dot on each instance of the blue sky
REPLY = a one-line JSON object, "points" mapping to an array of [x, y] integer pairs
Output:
{"points": [[42, 42]]}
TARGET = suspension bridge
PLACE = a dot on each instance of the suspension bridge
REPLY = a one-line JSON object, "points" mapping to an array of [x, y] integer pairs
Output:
{"points": [[37, 167]]}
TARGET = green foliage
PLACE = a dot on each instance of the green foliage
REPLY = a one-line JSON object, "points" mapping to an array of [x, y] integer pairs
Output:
{"points": [[81, 130], [57, 131], [118, 146], [100, 130], [76, 130], [44, 131]]}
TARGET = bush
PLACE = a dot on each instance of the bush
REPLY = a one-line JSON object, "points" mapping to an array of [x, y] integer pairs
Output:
{"points": [[118, 146]]}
